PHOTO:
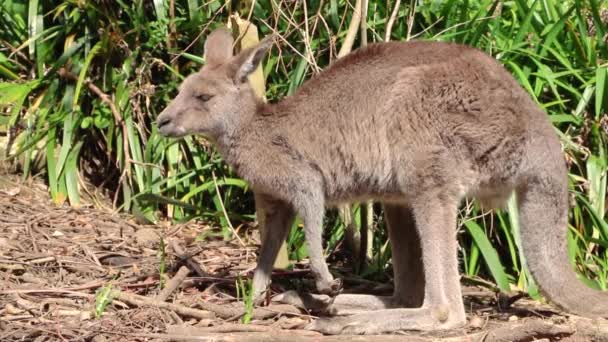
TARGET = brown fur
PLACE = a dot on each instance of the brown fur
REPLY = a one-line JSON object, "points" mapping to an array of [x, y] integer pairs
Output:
{"points": [[418, 126]]}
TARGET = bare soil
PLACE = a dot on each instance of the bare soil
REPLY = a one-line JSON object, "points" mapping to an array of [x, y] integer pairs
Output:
{"points": [[55, 261]]}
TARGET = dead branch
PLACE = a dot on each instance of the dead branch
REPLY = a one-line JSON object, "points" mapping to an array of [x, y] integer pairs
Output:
{"points": [[533, 329], [173, 284], [67, 293], [252, 333], [363, 25], [286, 335], [349, 40], [140, 301], [200, 334], [187, 258], [223, 328], [208, 309], [391, 21]]}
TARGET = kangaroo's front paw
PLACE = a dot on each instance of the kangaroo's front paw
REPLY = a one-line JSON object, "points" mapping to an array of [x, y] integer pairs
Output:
{"points": [[260, 294], [317, 303], [259, 300], [330, 287]]}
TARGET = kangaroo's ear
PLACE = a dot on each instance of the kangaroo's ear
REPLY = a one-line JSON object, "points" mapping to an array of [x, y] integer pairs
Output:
{"points": [[218, 47], [248, 60]]}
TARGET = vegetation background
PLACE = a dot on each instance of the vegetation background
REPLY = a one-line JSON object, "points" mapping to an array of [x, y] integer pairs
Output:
{"points": [[81, 82]]}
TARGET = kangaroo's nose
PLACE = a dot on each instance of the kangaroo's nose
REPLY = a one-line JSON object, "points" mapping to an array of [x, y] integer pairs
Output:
{"points": [[162, 120]]}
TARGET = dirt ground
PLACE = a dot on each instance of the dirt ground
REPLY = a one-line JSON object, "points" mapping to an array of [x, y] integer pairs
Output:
{"points": [[55, 262]]}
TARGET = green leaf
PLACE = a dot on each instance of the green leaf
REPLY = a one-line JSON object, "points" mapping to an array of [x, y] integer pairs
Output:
{"points": [[489, 254], [194, 58], [83, 72], [32, 21], [210, 186], [66, 144], [71, 175], [51, 163], [194, 10], [159, 7], [13, 95], [600, 91], [529, 282], [103, 297]]}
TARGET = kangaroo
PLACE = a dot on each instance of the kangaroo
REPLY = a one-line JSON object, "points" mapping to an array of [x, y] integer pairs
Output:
{"points": [[415, 125]]}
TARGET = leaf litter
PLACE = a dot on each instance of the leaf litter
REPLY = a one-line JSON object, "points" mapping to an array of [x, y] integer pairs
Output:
{"points": [[91, 274]]}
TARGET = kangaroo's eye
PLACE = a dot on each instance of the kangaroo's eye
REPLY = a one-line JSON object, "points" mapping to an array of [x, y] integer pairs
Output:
{"points": [[204, 97]]}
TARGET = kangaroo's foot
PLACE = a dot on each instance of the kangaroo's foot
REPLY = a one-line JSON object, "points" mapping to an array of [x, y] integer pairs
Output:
{"points": [[389, 320]]}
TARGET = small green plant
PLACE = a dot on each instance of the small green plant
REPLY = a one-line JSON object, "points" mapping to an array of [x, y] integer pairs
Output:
{"points": [[103, 297], [244, 290]]}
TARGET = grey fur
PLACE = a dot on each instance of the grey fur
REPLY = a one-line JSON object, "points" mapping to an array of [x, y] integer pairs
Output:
{"points": [[418, 126]]}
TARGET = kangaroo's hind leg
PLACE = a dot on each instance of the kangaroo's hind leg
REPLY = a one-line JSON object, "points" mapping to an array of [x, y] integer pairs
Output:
{"points": [[406, 256], [407, 268], [442, 307]]}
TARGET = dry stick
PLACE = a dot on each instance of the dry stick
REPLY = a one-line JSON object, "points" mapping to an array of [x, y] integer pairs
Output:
{"points": [[222, 311], [247, 332], [173, 284], [92, 255], [105, 98], [391, 21], [307, 39], [363, 26], [280, 335], [62, 292], [223, 328], [191, 264], [536, 329], [410, 19], [138, 300], [349, 40], [251, 337], [41, 260]]}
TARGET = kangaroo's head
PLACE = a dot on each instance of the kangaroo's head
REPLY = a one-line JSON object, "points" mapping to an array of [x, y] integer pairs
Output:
{"points": [[213, 101]]}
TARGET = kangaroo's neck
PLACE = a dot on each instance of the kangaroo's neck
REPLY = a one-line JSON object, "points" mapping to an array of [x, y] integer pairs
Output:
{"points": [[238, 129], [249, 132]]}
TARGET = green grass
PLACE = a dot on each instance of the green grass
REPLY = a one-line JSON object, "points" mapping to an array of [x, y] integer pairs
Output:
{"points": [[103, 297], [244, 292], [62, 128]]}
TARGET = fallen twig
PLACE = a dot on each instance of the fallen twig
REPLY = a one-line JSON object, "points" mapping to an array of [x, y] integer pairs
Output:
{"points": [[223, 328], [138, 300], [527, 331], [173, 284], [48, 291], [244, 332], [179, 252], [229, 311]]}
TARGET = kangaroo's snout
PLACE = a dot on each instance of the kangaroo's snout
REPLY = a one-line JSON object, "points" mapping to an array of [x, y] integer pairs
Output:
{"points": [[167, 124], [162, 121]]}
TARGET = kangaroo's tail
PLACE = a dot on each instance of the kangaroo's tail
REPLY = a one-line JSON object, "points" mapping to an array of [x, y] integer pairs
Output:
{"points": [[543, 213]]}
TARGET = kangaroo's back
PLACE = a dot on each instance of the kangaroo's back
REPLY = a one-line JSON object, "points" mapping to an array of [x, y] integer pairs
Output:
{"points": [[367, 118]]}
